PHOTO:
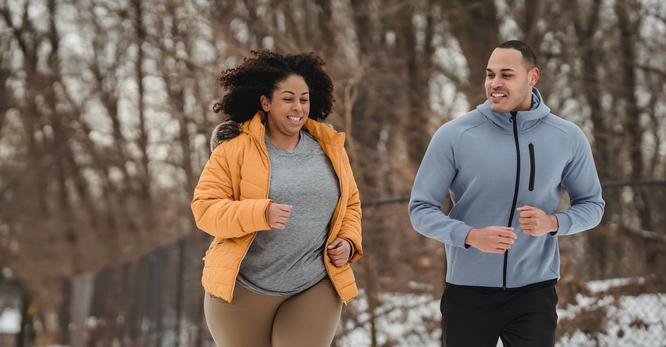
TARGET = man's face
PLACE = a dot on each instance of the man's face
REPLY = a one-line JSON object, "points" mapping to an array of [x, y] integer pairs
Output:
{"points": [[509, 81]]}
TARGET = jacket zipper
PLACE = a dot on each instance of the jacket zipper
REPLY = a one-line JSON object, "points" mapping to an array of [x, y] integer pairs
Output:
{"points": [[532, 167], [336, 217], [254, 235], [515, 192]]}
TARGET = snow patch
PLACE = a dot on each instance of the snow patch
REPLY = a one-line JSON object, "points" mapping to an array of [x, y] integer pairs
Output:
{"points": [[10, 321]]}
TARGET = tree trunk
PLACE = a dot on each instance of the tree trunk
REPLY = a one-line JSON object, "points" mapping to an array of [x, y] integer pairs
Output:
{"points": [[629, 32], [476, 41], [26, 337], [179, 290]]}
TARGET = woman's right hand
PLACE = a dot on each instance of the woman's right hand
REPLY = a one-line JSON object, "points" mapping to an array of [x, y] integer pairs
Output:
{"points": [[278, 215]]}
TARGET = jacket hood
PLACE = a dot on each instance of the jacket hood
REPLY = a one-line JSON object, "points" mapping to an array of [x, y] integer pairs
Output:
{"points": [[525, 119], [224, 131], [227, 130]]}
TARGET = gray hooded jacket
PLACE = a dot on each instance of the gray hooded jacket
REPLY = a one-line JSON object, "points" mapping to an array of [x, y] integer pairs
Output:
{"points": [[493, 163]]}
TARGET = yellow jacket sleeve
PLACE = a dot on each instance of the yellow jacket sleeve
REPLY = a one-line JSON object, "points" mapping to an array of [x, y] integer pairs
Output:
{"points": [[351, 221], [216, 210]]}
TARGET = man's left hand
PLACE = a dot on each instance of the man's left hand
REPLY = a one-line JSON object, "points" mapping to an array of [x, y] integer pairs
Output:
{"points": [[535, 222]]}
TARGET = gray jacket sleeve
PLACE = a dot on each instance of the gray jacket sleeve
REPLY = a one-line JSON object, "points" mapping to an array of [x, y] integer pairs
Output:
{"points": [[581, 181], [432, 182]]}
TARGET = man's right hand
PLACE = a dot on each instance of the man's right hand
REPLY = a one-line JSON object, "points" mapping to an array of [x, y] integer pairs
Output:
{"points": [[491, 239], [278, 215]]}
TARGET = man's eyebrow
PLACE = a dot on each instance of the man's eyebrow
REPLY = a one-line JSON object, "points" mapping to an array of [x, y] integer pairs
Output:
{"points": [[505, 70]]}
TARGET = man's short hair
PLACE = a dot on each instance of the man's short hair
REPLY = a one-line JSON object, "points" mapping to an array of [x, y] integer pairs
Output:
{"points": [[524, 49]]}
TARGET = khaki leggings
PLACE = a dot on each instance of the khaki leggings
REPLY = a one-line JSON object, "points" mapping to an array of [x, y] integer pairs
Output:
{"points": [[307, 319]]}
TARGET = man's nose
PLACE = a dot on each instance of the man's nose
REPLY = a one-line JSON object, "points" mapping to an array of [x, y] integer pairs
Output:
{"points": [[495, 83]]}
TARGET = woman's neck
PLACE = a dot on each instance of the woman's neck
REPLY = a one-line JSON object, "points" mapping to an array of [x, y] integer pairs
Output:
{"points": [[283, 141]]}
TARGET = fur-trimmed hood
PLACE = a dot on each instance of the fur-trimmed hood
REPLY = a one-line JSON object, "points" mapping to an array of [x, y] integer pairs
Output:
{"points": [[229, 129], [224, 131]]}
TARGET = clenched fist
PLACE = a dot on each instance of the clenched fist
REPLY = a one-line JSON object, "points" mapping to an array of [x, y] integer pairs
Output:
{"points": [[491, 239], [278, 215], [535, 222], [339, 251]]}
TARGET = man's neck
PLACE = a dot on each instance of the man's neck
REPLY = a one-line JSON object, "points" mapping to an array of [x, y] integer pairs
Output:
{"points": [[526, 105]]}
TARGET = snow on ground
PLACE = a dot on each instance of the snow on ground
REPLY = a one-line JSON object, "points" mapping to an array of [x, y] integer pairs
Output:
{"points": [[604, 285], [408, 316], [412, 320], [635, 321], [403, 322], [10, 321]]}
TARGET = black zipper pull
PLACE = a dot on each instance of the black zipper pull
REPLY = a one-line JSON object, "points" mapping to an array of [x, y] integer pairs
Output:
{"points": [[532, 167]]}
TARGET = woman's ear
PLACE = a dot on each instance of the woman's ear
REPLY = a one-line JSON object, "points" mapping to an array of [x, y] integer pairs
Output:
{"points": [[265, 103]]}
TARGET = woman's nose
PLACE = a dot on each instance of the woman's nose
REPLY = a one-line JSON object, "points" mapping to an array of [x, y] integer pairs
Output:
{"points": [[299, 107]]}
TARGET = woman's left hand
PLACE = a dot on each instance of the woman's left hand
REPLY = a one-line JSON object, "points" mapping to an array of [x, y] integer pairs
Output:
{"points": [[339, 251]]}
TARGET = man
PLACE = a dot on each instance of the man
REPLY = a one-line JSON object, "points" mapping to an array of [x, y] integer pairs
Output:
{"points": [[504, 164]]}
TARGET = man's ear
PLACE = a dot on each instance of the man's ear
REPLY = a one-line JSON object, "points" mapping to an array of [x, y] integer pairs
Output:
{"points": [[534, 75], [265, 103]]}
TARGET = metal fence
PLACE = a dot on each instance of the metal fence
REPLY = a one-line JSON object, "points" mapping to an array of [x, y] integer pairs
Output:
{"points": [[612, 293]]}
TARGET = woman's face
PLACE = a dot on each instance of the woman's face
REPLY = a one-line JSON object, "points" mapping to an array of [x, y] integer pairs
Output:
{"points": [[288, 108]]}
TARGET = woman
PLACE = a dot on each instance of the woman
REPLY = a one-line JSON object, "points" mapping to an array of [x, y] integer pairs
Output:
{"points": [[280, 199]]}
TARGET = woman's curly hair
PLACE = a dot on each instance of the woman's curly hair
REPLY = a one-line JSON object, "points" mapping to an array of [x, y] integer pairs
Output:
{"points": [[260, 74]]}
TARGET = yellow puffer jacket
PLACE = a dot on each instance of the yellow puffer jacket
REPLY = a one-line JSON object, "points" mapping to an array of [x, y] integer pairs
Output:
{"points": [[231, 199]]}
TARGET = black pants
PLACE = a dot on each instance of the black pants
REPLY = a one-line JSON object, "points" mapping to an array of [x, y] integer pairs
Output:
{"points": [[478, 316]]}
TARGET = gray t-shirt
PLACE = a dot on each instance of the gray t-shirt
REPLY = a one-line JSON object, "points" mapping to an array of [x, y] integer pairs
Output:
{"points": [[289, 261]]}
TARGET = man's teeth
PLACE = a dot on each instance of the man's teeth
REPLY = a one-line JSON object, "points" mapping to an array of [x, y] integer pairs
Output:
{"points": [[294, 118], [497, 95]]}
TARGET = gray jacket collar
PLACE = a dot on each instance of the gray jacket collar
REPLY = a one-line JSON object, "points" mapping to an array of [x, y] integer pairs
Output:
{"points": [[525, 119]]}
